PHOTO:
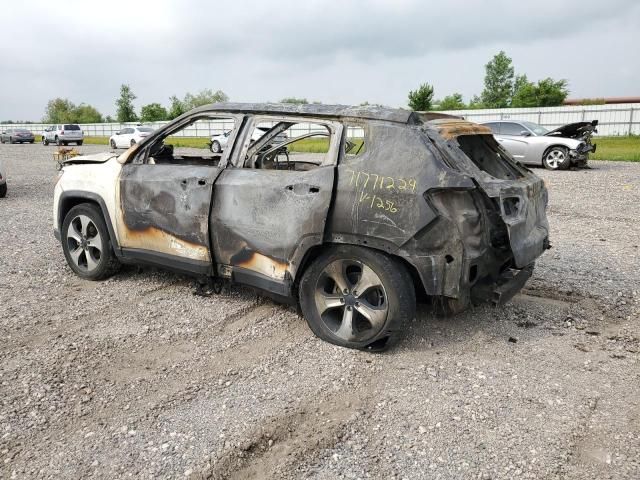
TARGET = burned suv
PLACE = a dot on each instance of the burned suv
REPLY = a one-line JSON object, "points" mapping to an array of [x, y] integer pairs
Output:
{"points": [[371, 209]]}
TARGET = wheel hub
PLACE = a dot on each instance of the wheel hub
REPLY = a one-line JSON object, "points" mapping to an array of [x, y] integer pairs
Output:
{"points": [[351, 300]]}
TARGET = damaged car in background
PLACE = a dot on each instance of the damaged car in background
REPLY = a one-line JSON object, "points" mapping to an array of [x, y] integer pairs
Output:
{"points": [[389, 206], [559, 149]]}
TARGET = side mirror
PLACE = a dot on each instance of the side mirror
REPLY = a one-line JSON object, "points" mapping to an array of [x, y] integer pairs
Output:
{"points": [[525, 133]]}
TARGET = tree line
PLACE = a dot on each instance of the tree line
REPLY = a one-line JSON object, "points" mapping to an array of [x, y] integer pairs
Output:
{"points": [[62, 110], [502, 89]]}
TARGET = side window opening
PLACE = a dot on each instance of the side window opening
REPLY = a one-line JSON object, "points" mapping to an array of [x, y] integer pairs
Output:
{"points": [[355, 140], [288, 145], [486, 154], [186, 145]]}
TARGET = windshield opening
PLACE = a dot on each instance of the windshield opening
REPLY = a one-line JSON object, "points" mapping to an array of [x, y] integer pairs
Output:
{"points": [[535, 128]]}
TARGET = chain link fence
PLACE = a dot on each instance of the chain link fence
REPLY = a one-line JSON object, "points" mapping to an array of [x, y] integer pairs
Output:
{"points": [[614, 120]]}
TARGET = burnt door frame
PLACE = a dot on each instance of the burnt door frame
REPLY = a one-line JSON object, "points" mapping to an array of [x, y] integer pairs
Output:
{"points": [[163, 209], [263, 221]]}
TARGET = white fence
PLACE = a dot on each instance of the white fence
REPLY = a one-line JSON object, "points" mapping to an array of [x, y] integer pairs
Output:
{"points": [[622, 119]]}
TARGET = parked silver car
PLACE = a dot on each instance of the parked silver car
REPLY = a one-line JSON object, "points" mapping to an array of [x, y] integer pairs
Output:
{"points": [[558, 149], [63, 134]]}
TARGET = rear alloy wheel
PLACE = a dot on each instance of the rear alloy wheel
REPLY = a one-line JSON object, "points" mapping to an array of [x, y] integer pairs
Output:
{"points": [[556, 158], [86, 243], [357, 298], [113, 144]]}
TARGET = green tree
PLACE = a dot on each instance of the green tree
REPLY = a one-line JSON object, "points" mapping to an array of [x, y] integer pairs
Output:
{"points": [[475, 103], [59, 110], [498, 82], [451, 102], [294, 100], [176, 108], [551, 93], [153, 112], [125, 111], [84, 113], [420, 99], [545, 93], [204, 97]]}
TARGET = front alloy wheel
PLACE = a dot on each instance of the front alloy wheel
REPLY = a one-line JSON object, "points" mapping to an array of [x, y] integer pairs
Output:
{"points": [[86, 243], [556, 158]]}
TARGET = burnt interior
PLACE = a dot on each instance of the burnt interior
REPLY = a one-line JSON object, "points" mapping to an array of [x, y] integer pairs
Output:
{"points": [[485, 153]]}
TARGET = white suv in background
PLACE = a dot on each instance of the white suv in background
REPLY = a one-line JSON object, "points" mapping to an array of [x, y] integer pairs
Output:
{"points": [[63, 134], [129, 136]]}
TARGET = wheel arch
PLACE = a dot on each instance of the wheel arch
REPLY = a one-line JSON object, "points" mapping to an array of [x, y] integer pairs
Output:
{"points": [[72, 198], [315, 251]]}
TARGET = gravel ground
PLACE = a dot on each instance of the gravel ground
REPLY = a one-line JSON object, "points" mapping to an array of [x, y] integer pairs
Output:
{"points": [[137, 377]]}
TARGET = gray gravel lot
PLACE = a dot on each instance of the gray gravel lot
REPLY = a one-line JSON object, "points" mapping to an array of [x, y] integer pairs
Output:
{"points": [[136, 376]]}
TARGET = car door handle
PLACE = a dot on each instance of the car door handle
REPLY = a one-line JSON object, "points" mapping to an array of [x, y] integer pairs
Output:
{"points": [[302, 188]]}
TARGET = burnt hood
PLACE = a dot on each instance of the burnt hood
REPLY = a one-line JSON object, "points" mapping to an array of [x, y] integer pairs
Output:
{"points": [[574, 130], [93, 158]]}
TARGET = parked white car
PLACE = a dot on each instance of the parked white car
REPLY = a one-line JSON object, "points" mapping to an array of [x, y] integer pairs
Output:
{"points": [[219, 142], [63, 134], [129, 136], [3, 181]]}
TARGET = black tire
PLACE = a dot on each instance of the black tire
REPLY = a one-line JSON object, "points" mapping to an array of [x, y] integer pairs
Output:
{"points": [[556, 158], [58, 141], [395, 295], [45, 142], [113, 144], [10, 140], [132, 143], [3, 190], [107, 264], [216, 147], [31, 141], [79, 143]]}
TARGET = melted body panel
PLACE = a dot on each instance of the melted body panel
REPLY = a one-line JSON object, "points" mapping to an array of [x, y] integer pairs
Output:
{"points": [[262, 219], [165, 208]]}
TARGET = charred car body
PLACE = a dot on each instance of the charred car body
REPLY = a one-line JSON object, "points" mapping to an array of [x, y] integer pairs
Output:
{"points": [[396, 205], [532, 144]]}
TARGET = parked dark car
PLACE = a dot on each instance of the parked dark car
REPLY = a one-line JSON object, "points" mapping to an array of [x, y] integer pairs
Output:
{"points": [[16, 135], [388, 206]]}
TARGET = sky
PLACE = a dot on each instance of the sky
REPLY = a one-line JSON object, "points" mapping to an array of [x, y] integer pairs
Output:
{"points": [[345, 52]]}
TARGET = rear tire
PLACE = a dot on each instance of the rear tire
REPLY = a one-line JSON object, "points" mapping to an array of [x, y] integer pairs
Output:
{"points": [[215, 147], [45, 142], [86, 243], [132, 143], [79, 143], [340, 314], [556, 158], [3, 189], [113, 144], [58, 141]]}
